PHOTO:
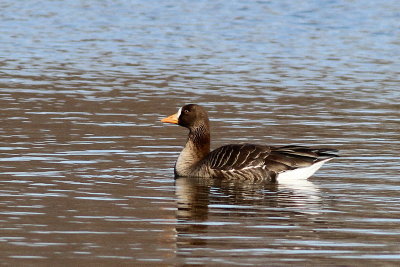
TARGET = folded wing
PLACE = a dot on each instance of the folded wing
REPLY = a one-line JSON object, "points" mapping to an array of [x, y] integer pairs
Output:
{"points": [[263, 161]]}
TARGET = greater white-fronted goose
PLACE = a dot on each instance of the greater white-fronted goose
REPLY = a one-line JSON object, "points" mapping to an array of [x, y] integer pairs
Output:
{"points": [[240, 161]]}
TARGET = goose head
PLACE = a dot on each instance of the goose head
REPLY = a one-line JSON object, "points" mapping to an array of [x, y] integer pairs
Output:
{"points": [[190, 116]]}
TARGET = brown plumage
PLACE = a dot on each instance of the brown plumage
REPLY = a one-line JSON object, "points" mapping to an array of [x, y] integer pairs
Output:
{"points": [[239, 161]]}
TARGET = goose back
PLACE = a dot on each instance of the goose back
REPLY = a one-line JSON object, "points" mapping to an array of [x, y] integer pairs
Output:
{"points": [[257, 162]]}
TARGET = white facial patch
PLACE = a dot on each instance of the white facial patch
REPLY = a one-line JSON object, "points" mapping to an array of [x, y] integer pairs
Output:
{"points": [[179, 112]]}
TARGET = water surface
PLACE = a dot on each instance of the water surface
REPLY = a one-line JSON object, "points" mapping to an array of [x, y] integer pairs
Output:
{"points": [[86, 167]]}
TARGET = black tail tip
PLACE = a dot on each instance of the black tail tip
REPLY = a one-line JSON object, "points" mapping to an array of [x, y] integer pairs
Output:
{"points": [[327, 152]]}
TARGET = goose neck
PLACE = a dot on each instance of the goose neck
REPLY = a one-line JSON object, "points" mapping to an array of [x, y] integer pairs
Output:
{"points": [[196, 148], [200, 138]]}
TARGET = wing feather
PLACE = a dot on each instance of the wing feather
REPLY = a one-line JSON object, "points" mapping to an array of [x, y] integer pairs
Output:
{"points": [[237, 157], [257, 161]]}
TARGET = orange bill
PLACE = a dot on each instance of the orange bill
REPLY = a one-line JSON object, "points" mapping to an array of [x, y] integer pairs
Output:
{"points": [[171, 119]]}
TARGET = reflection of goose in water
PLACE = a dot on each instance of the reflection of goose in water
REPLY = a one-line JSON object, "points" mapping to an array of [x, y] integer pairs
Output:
{"points": [[244, 161], [196, 196], [215, 209]]}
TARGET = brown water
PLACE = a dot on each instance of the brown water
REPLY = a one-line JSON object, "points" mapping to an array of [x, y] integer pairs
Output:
{"points": [[86, 167]]}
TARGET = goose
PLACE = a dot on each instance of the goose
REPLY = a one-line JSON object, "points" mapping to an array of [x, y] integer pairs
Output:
{"points": [[240, 161]]}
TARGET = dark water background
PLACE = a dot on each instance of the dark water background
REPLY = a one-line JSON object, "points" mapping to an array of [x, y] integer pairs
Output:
{"points": [[86, 167]]}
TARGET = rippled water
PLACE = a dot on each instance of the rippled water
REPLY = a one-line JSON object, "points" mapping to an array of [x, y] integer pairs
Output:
{"points": [[86, 167]]}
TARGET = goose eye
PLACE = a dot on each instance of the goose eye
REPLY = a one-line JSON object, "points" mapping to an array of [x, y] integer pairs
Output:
{"points": [[186, 111]]}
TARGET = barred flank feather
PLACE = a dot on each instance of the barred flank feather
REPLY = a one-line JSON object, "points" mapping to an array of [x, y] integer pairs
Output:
{"points": [[247, 160]]}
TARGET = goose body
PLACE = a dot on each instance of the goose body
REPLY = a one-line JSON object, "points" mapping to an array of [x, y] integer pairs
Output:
{"points": [[240, 161]]}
